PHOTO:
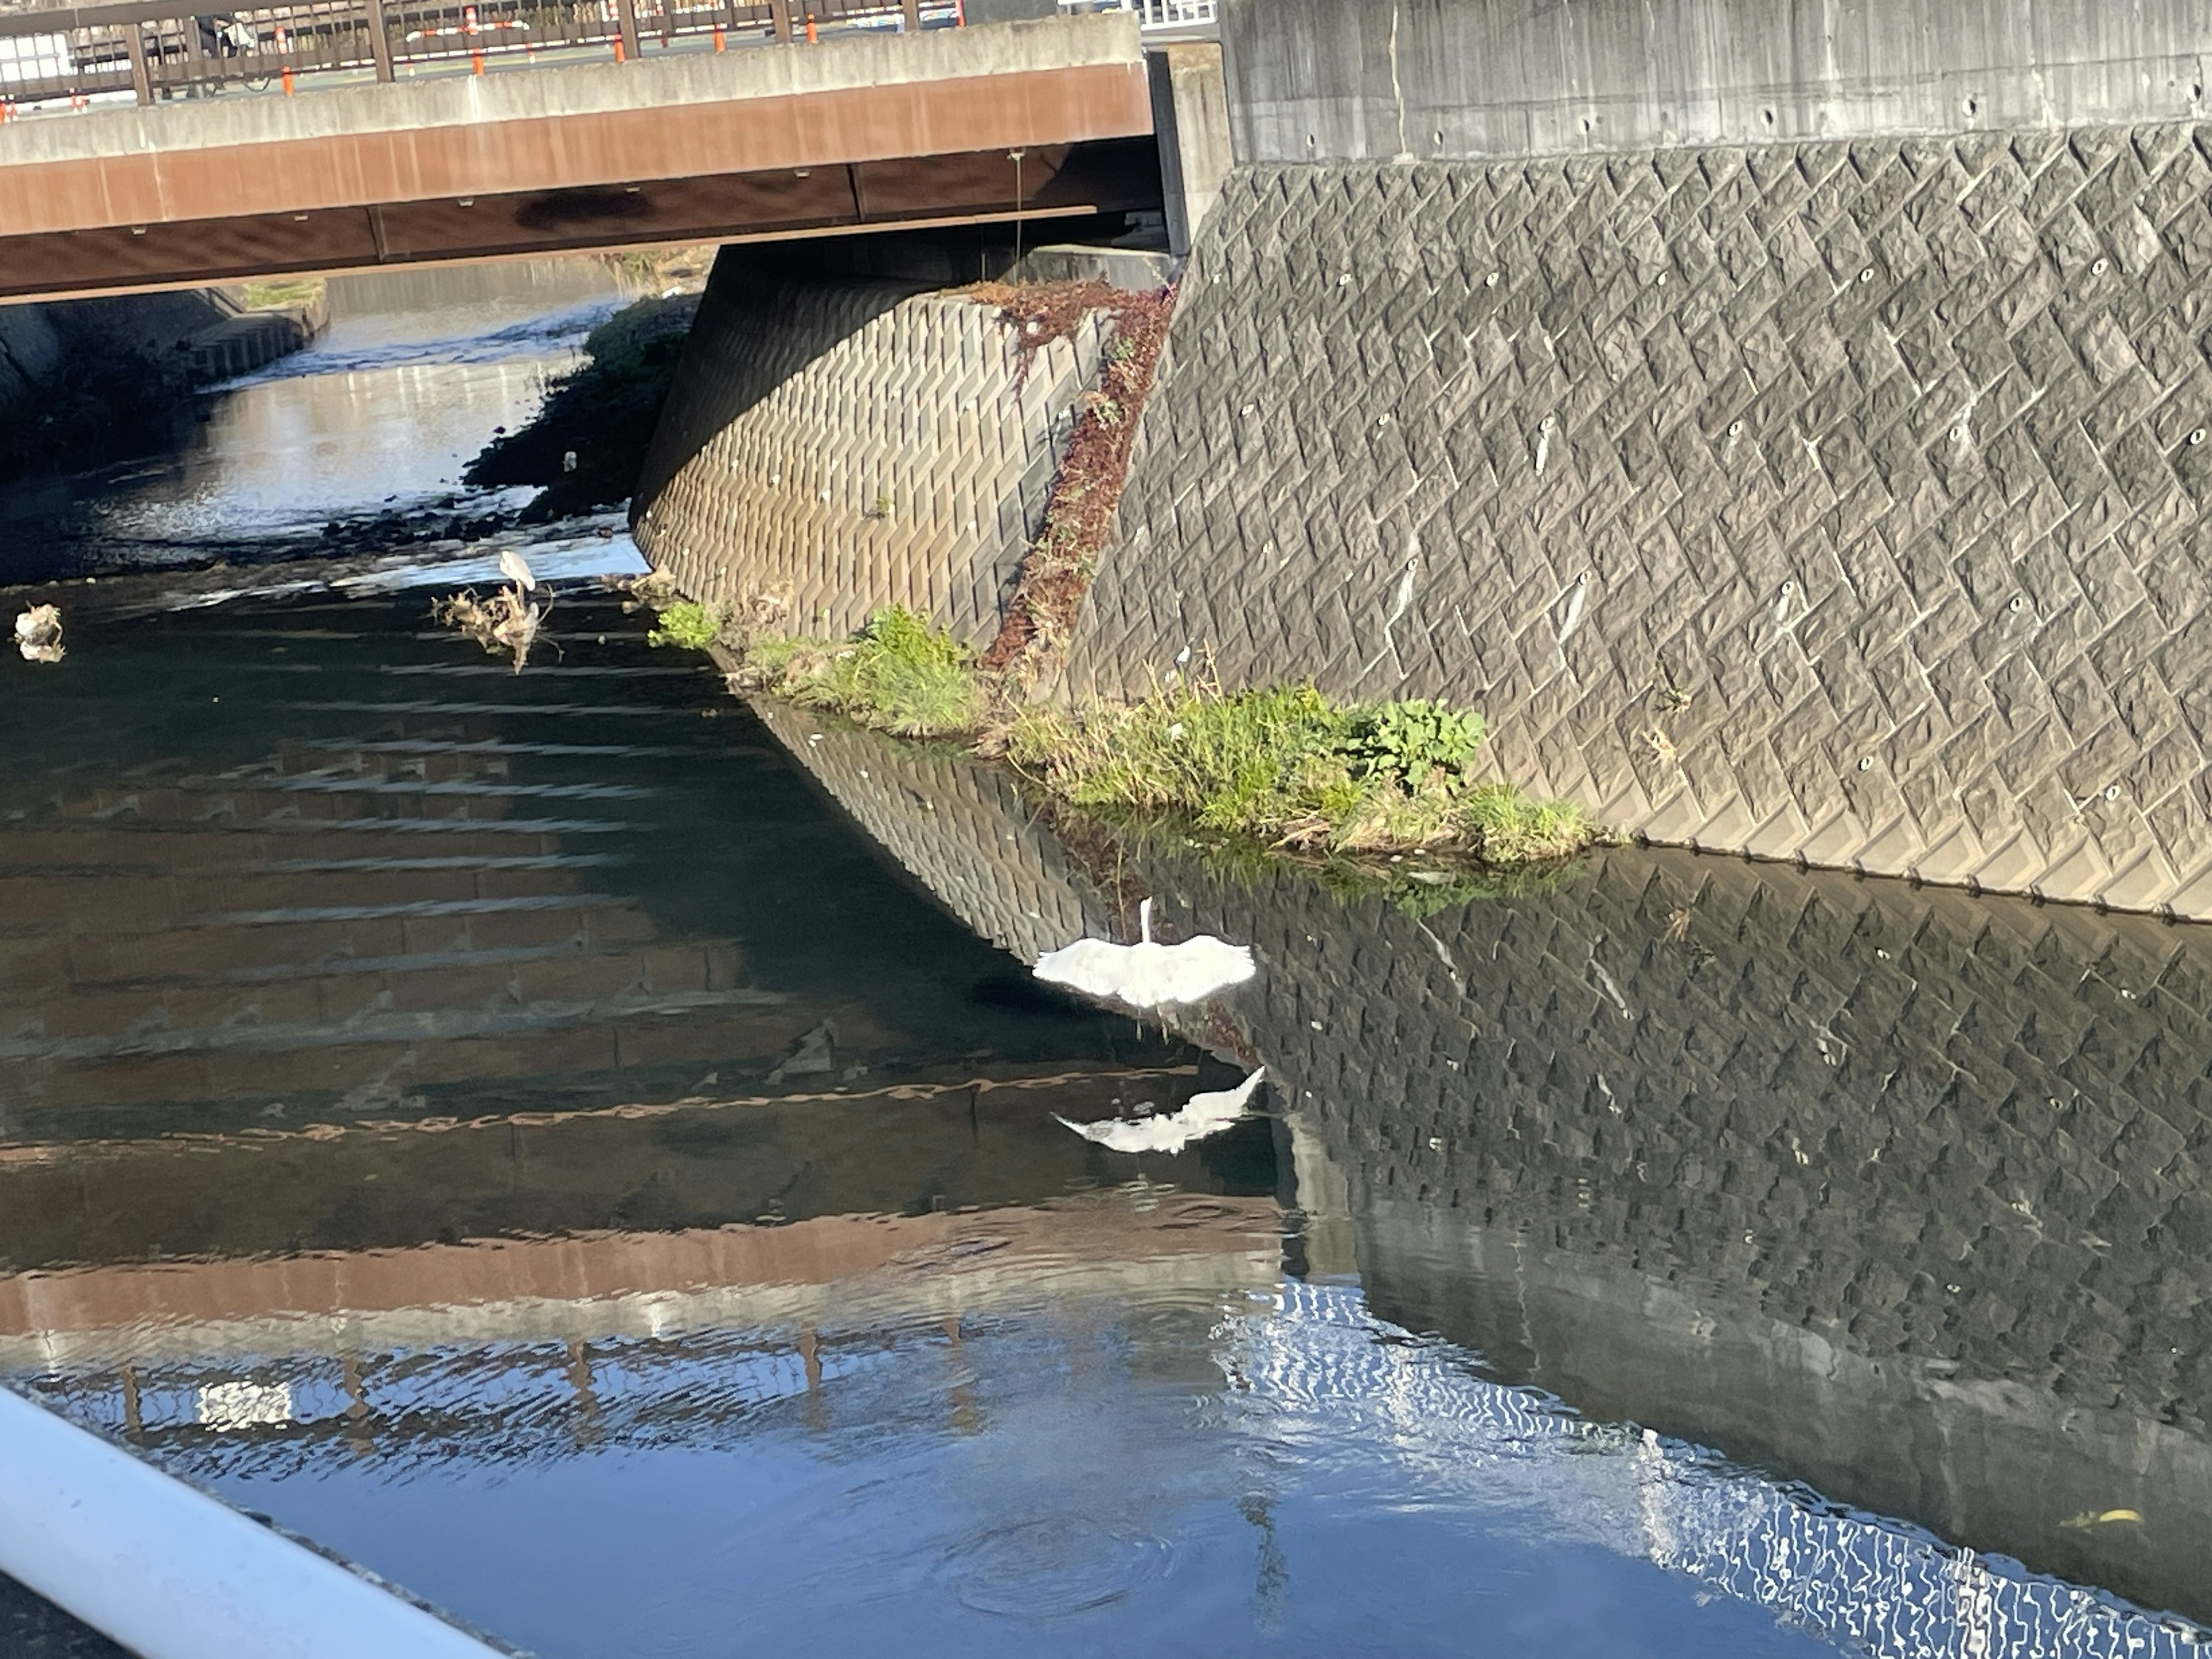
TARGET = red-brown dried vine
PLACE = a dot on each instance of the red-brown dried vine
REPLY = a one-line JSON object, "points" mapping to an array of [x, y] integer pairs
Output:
{"points": [[1080, 516]]}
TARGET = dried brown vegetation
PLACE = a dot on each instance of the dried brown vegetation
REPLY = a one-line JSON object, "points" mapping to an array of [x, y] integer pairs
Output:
{"points": [[505, 622], [1080, 516]]}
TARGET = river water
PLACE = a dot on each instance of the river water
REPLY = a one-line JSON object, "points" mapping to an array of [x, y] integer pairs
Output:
{"points": [[586, 1150]]}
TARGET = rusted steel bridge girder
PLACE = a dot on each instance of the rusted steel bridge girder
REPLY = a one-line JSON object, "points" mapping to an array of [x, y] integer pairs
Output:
{"points": [[954, 125]]}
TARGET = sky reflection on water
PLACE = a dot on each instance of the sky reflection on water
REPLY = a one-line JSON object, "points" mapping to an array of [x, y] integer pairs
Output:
{"points": [[382, 414]]}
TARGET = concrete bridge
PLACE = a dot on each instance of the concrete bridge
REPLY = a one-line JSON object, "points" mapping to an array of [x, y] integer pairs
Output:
{"points": [[1788, 423], [870, 128]]}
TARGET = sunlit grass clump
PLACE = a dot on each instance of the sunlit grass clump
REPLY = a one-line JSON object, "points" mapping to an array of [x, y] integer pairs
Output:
{"points": [[686, 623], [1294, 769], [897, 674], [1285, 769]]}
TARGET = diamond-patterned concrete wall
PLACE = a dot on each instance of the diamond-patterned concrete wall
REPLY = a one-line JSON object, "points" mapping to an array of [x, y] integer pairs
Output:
{"points": [[1839, 1099], [1835, 1096], [840, 446], [1839, 503], [960, 827]]}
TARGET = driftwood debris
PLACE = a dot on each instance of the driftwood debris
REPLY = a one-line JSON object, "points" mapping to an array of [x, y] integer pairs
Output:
{"points": [[507, 621], [38, 633]]}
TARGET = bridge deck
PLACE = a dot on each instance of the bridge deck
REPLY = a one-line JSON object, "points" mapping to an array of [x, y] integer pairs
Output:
{"points": [[873, 130]]}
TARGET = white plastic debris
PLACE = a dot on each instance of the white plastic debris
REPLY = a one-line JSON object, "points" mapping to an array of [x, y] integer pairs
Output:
{"points": [[815, 1051], [1146, 974], [516, 569], [1201, 1115], [38, 633]]}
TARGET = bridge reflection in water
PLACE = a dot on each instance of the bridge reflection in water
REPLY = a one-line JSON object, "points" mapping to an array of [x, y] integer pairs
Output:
{"points": [[1891, 1192], [384, 1095]]}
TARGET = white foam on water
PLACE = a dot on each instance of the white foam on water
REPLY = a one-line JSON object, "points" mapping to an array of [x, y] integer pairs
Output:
{"points": [[566, 558]]}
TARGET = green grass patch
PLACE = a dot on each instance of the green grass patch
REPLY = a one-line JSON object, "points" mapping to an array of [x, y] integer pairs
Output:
{"points": [[1292, 768], [686, 623], [1512, 829], [280, 292], [1353, 789], [897, 674]]}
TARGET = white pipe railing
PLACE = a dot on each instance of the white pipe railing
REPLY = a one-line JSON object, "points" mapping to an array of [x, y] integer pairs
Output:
{"points": [[1176, 13], [171, 1573], [1155, 15]]}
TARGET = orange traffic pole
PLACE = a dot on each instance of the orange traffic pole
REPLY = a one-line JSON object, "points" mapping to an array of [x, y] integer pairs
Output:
{"points": [[618, 51], [812, 37], [718, 45], [469, 28], [284, 50]]}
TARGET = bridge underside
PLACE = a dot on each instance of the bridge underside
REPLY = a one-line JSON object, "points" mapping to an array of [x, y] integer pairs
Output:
{"points": [[1047, 119], [1059, 182]]}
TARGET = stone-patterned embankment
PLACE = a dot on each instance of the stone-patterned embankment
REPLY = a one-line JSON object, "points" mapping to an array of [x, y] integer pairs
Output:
{"points": [[958, 827], [1820, 501], [832, 447]]}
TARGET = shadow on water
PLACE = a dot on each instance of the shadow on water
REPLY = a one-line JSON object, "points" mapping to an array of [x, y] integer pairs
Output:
{"points": [[1893, 1192], [388, 1032], [332, 860]]}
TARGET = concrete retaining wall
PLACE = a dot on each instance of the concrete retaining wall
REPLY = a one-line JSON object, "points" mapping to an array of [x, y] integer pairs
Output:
{"points": [[35, 339], [1190, 119], [195, 337], [240, 344], [1840, 503], [838, 447], [31, 347], [1369, 80]]}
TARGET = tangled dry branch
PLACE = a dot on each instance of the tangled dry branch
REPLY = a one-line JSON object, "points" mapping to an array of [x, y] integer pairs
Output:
{"points": [[506, 622], [1079, 517]]}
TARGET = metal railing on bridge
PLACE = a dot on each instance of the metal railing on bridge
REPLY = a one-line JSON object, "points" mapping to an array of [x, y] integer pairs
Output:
{"points": [[1157, 16], [147, 51]]}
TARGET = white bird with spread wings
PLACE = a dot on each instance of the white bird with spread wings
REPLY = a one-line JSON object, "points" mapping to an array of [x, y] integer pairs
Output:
{"points": [[1147, 975], [1201, 1115]]}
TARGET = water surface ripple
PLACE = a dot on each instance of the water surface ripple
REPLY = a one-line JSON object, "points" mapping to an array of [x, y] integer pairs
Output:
{"points": [[588, 1152]]}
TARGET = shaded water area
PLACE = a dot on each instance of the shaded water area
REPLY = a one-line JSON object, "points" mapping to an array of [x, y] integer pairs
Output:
{"points": [[585, 1149]]}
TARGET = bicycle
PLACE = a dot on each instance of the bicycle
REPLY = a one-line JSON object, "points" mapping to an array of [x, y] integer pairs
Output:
{"points": [[223, 35]]}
